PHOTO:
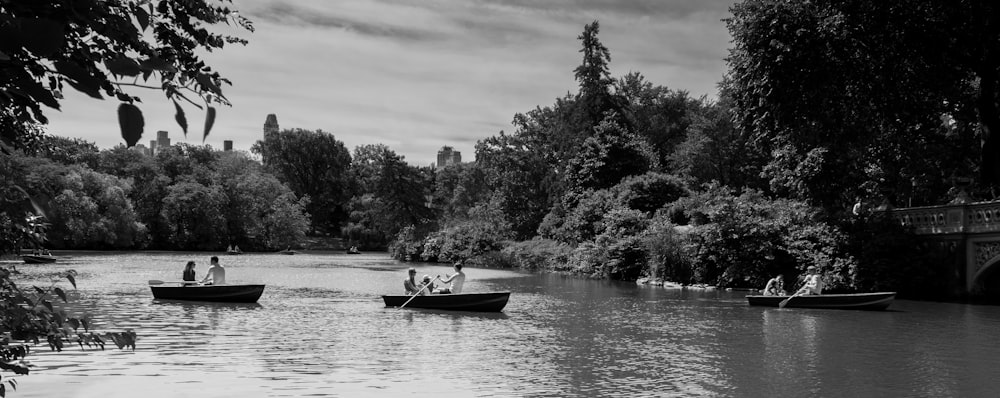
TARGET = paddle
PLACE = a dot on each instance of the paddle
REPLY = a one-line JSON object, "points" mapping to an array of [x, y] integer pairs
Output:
{"points": [[159, 282], [417, 293], [784, 302]]}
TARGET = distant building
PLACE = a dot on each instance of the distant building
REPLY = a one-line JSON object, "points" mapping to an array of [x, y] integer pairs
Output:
{"points": [[227, 145], [162, 139], [448, 156], [270, 125], [152, 147]]}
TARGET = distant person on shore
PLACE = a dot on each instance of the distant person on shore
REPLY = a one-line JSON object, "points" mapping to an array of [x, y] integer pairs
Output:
{"points": [[410, 284], [189, 275], [456, 280], [775, 286], [216, 273], [813, 282]]}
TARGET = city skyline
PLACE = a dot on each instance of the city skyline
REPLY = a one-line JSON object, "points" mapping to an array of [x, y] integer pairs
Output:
{"points": [[417, 77]]}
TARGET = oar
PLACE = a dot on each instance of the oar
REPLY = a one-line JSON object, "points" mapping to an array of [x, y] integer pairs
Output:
{"points": [[159, 282], [784, 302], [417, 293]]}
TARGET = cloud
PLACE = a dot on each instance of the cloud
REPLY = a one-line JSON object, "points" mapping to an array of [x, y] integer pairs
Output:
{"points": [[417, 75]]}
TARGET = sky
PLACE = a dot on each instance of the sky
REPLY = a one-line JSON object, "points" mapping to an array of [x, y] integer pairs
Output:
{"points": [[419, 75]]}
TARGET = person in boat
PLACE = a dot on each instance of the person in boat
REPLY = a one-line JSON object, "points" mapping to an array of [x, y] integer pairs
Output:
{"points": [[189, 274], [45, 252], [455, 280], [216, 273], [813, 282], [428, 283], [410, 284], [775, 286]]}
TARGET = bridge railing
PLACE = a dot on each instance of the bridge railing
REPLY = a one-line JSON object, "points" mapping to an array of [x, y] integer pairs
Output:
{"points": [[951, 219]]}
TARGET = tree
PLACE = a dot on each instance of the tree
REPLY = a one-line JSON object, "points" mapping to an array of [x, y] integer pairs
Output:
{"points": [[391, 194], [194, 213], [855, 98], [313, 164], [102, 47]]}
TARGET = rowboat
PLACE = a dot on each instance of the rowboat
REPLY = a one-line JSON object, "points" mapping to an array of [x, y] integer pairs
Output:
{"points": [[481, 302], [859, 301], [38, 259], [216, 293]]}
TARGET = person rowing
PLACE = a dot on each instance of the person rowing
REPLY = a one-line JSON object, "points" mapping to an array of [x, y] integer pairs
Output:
{"points": [[813, 282], [456, 280], [410, 284], [216, 273]]}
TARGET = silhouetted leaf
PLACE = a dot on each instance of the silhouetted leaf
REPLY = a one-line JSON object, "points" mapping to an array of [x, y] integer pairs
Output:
{"points": [[123, 66], [80, 79], [72, 279], [39, 290], [48, 305], [41, 36], [86, 324], [207, 84], [61, 294], [181, 120], [156, 64], [209, 121], [142, 16], [131, 122]]}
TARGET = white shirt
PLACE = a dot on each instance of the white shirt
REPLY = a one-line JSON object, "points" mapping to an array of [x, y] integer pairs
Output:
{"points": [[457, 281]]}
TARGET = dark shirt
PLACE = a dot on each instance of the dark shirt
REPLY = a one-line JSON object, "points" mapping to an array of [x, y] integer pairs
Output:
{"points": [[189, 275]]}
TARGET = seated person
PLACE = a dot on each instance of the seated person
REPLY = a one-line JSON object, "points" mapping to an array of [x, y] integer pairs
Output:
{"points": [[456, 280], [775, 286], [216, 273], [813, 282], [189, 275], [428, 282], [409, 284]]}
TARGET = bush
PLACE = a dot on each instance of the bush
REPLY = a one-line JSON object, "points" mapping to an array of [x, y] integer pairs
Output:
{"points": [[538, 255]]}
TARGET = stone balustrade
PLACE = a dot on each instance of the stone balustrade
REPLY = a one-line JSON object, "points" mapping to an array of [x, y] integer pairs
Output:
{"points": [[951, 219]]}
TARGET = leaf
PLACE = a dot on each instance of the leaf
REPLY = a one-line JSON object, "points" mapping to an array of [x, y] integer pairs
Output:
{"points": [[207, 84], [39, 290], [41, 36], [123, 66], [72, 279], [61, 294], [80, 78], [131, 122], [142, 16], [86, 325], [156, 64], [181, 120], [48, 304], [209, 121], [75, 323]]}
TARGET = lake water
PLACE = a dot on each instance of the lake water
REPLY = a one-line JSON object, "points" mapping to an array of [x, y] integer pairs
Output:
{"points": [[320, 329]]}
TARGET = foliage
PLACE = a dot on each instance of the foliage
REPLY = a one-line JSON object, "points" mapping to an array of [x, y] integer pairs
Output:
{"points": [[195, 214], [30, 315], [313, 164], [669, 251], [539, 255], [391, 193], [607, 157], [811, 86], [892, 258], [520, 179], [101, 47], [747, 237]]}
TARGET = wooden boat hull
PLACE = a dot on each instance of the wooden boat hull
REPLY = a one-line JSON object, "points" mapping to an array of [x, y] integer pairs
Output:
{"points": [[861, 301], [480, 302], [33, 259], [215, 293]]}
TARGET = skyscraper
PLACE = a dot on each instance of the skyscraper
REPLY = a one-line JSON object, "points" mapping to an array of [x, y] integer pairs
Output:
{"points": [[448, 156], [270, 125]]}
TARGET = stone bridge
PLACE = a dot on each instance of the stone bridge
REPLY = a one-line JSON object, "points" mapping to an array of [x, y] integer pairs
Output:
{"points": [[971, 230]]}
